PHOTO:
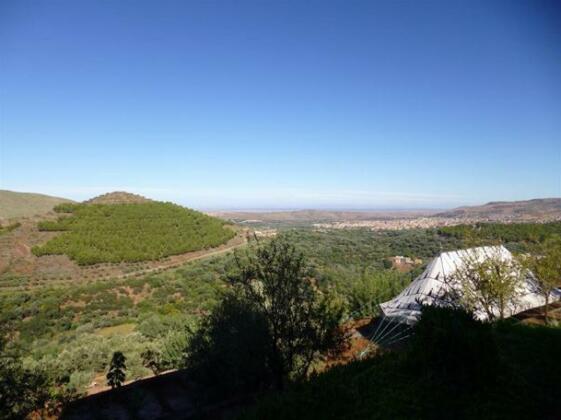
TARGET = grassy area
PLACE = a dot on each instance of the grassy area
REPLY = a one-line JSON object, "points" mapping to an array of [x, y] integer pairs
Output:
{"points": [[122, 329], [100, 233], [17, 204]]}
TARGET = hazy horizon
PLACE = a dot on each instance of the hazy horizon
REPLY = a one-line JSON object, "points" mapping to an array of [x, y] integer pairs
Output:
{"points": [[219, 105], [261, 209]]}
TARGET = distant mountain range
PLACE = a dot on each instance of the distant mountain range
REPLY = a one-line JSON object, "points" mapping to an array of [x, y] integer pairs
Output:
{"points": [[542, 209], [307, 216], [537, 209], [18, 204]]}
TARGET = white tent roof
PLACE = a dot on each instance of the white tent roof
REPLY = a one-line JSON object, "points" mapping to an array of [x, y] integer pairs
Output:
{"points": [[430, 288]]}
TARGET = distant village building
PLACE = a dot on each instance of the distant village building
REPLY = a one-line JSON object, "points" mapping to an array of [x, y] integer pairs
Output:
{"points": [[265, 233], [401, 260]]}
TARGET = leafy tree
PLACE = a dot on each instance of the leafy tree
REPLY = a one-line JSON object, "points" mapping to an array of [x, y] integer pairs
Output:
{"points": [[173, 347], [387, 264], [366, 292], [301, 322], [152, 359], [21, 390], [545, 264], [229, 353], [489, 282], [268, 329], [116, 374]]}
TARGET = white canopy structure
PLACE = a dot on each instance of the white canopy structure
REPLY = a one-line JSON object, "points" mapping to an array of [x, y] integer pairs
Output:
{"points": [[434, 285]]}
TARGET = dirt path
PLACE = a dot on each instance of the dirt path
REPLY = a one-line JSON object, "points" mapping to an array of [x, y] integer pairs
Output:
{"points": [[179, 260]]}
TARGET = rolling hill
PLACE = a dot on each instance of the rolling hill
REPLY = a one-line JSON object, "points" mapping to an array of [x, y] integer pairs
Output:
{"points": [[538, 209], [19, 204], [125, 231]]}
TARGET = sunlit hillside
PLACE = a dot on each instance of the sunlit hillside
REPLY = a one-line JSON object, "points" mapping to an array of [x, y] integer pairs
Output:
{"points": [[96, 233], [18, 204]]}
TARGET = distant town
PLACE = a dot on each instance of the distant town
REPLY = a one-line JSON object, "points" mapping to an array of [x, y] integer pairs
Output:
{"points": [[423, 222]]}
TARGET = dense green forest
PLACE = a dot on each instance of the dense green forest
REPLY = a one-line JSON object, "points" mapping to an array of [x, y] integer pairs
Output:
{"points": [[98, 233]]}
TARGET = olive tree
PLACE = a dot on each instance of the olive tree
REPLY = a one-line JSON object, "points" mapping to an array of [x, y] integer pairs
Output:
{"points": [[488, 281], [545, 264], [271, 326], [22, 390], [302, 323]]}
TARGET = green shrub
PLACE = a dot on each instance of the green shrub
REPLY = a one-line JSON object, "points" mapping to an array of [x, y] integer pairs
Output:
{"points": [[9, 228], [229, 353], [366, 292], [66, 207], [22, 390]]}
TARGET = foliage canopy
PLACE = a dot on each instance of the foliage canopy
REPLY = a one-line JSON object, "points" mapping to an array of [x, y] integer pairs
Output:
{"points": [[545, 264], [116, 374], [274, 313]]}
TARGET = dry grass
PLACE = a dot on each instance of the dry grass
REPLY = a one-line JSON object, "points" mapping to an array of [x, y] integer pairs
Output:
{"points": [[122, 329]]}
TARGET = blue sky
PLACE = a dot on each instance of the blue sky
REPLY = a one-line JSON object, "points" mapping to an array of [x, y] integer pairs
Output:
{"points": [[287, 104]]}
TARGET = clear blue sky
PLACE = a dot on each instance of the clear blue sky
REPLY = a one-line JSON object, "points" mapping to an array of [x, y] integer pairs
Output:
{"points": [[286, 104]]}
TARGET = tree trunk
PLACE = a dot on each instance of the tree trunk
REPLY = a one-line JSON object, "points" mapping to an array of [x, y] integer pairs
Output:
{"points": [[501, 309], [546, 309]]}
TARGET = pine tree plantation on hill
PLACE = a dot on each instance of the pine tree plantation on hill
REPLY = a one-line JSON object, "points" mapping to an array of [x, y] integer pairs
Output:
{"points": [[98, 233]]}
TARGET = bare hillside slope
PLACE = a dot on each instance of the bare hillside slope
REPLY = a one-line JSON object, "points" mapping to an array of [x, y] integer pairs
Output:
{"points": [[537, 209], [19, 204]]}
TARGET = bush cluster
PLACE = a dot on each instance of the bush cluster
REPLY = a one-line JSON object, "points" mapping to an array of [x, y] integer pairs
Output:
{"points": [[505, 233]]}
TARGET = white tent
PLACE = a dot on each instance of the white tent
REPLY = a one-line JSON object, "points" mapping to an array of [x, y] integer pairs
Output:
{"points": [[432, 287]]}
